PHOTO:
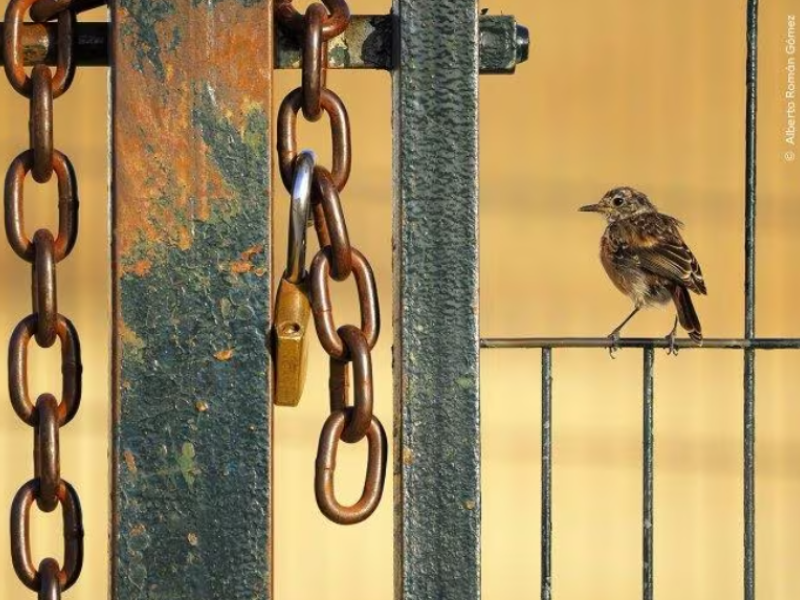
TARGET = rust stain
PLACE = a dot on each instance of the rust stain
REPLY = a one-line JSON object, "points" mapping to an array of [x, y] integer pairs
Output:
{"points": [[238, 78], [252, 251], [141, 267], [130, 461], [129, 338], [245, 265], [241, 266], [165, 176], [224, 355]]}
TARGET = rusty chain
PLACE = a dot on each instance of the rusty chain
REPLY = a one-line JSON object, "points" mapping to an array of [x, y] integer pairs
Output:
{"points": [[336, 259], [46, 325]]}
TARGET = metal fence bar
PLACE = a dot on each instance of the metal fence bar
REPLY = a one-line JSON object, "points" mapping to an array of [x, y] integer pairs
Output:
{"points": [[437, 438], [750, 304], [603, 342], [749, 476], [191, 512], [547, 473], [365, 44], [368, 41], [648, 522], [40, 44]]}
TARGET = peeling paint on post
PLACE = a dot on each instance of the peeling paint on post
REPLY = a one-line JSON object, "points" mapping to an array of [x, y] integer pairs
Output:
{"points": [[437, 438], [191, 292]]}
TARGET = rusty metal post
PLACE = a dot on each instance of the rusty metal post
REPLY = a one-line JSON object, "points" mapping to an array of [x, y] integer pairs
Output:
{"points": [[191, 299], [437, 439]]}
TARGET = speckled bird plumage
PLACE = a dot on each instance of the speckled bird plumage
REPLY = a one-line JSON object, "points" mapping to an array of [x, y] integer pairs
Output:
{"points": [[646, 258]]}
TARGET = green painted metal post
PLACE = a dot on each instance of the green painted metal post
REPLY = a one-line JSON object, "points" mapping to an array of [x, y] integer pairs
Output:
{"points": [[191, 300], [437, 438]]}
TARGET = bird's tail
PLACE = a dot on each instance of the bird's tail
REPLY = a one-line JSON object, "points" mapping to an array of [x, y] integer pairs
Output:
{"points": [[686, 313]]}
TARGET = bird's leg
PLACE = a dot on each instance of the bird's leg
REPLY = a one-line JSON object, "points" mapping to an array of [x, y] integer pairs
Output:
{"points": [[614, 335], [671, 339]]}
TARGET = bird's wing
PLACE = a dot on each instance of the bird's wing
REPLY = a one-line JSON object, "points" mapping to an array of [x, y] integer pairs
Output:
{"points": [[673, 261], [654, 243]]}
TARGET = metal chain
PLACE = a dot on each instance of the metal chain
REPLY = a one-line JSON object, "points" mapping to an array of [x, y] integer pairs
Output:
{"points": [[44, 251], [336, 259]]}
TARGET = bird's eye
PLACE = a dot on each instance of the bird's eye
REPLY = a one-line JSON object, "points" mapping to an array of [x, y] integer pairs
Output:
{"points": [[617, 201]]}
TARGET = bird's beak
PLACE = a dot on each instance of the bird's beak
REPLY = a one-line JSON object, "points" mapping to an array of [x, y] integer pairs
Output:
{"points": [[591, 208]]}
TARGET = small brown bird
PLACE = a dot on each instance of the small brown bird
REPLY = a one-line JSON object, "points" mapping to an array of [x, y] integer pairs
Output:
{"points": [[646, 258]]}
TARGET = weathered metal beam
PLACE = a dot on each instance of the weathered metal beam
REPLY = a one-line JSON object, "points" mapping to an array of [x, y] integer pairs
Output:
{"points": [[437, 439], [191, 300], [366, 44]]}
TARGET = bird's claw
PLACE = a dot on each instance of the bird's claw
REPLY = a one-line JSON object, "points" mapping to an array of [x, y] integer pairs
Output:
{"points": [[672, 349], [613, 345]]}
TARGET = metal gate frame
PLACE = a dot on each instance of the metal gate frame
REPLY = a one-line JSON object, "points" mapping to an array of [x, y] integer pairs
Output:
{"points": [[191, 200], [191, 165]]}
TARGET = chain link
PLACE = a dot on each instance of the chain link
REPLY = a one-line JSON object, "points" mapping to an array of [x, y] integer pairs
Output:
{"points": [[340, 136], [322, 306], [334, 24], [330, 224], [47, 416], [12, 44], [315, 69], [44, 10], [41, 123], [336, 259]]}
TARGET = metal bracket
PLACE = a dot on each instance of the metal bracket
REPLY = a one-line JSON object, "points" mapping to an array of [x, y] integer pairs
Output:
{"points": [[367, 44]]}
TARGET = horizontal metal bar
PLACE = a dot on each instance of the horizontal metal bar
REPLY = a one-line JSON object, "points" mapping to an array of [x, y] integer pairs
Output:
{"points": [[39, 44], [603, 342], [366, 44]]}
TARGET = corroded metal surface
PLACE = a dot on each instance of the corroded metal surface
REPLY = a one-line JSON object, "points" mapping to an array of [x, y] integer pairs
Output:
{"points": [[437, 435], [191, 289]]}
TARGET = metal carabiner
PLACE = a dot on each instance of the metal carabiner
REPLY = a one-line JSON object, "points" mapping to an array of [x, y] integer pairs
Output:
{"points": [[292, 303]]}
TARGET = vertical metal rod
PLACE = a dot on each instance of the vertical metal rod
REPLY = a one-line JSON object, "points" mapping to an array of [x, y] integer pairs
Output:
{"points": [[647, 477], [547, 471], [437, 439], [749, 476], [750, 303]]}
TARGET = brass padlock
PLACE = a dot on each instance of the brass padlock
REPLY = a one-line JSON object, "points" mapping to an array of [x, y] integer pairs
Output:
{"points": [[292, 302], [292, 313]]}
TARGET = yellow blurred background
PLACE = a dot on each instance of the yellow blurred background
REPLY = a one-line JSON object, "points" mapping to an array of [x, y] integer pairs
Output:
{"points": [[615, 92]]}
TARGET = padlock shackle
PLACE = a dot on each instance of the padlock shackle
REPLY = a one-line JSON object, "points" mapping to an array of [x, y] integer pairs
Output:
{"points": [[299, 212]]}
